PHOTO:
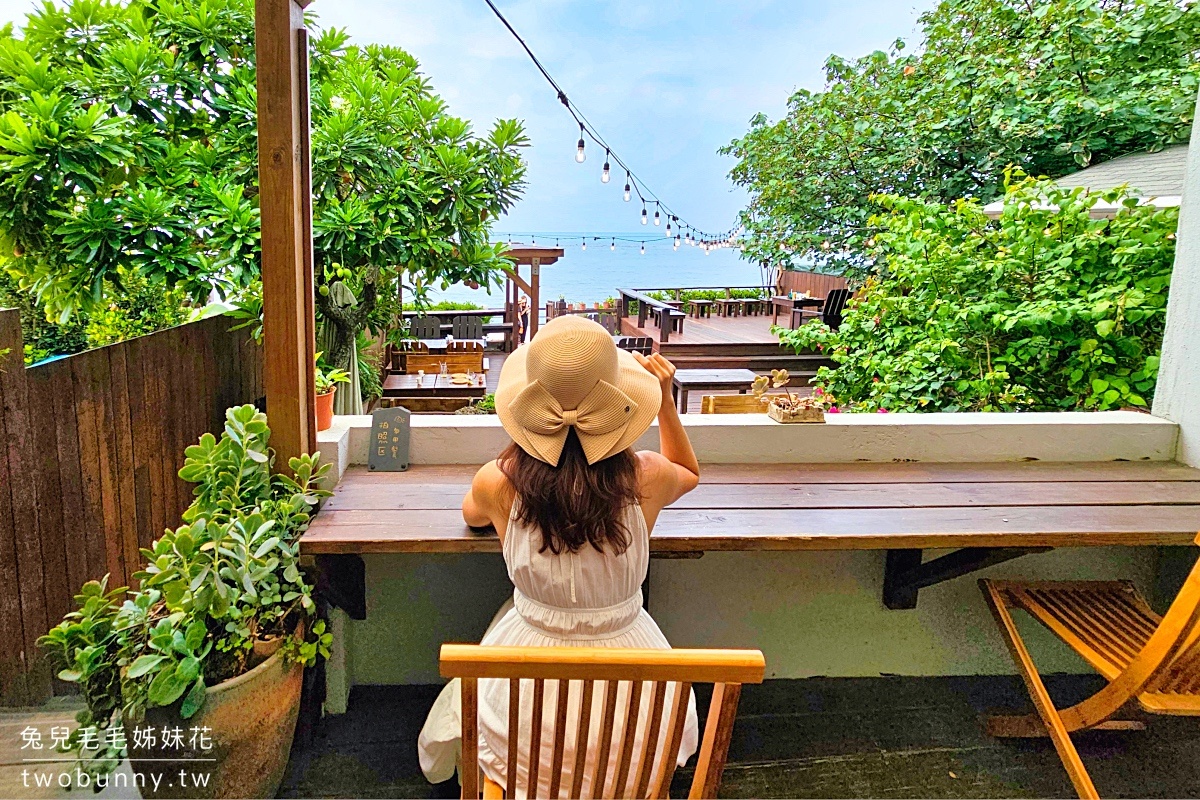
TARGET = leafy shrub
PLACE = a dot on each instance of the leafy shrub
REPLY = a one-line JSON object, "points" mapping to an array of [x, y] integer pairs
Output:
{"points": [[1044, 309], [227, 578]]}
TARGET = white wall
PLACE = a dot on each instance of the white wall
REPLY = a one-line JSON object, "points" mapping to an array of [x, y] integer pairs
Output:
{"points": [[1177, 396]]}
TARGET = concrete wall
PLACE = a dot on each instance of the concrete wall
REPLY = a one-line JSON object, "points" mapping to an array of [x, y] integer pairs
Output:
{"points": [[1177, 396], [812, 613]]}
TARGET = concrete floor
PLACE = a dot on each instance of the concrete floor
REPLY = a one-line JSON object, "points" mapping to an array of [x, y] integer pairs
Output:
{"points": [[879, 737]]}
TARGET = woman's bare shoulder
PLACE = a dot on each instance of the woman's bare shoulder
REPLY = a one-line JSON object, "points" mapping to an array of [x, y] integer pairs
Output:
{"points": [[490, 481]]}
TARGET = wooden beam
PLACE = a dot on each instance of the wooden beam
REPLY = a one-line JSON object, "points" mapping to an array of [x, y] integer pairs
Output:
{"points": [[905, 574], [285, 204]]}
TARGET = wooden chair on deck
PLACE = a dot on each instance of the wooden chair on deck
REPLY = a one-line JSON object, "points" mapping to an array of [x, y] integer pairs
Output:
{"points": [[643, 774], [830, 312], [397, 354], [425, 328], [467, 327], [1151, 659]]}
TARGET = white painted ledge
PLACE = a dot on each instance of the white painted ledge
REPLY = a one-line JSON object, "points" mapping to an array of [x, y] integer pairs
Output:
{"points": [[756, 439]]}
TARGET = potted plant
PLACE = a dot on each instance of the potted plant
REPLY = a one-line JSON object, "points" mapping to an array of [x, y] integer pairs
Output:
{"points": [[326, 381], [788, 407], [196, 675]]}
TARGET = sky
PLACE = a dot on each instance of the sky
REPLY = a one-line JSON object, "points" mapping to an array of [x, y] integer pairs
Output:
{"points": [[667, 83]]}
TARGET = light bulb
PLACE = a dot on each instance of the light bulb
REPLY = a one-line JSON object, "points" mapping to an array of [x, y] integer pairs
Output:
{"points": [[580, 156], [643, 215], [604, 175], [613, 246], [583, 245], [643, 248], [668, 226], [676, 243], [657, 219], [626, 187]]}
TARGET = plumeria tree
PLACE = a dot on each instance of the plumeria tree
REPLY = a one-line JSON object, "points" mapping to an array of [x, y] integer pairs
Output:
{"points": [[1046, 85], [128, 146]]}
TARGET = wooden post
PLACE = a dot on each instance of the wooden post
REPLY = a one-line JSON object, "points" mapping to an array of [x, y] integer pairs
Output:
{"points": [[535, 298], [285, 204], [24, 671]]}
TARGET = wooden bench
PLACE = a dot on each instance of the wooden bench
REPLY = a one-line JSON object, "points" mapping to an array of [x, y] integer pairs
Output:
{"points": [[985, 513]]}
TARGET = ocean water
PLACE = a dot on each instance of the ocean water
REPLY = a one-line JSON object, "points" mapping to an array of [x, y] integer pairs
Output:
{"points": [[595, 274]]}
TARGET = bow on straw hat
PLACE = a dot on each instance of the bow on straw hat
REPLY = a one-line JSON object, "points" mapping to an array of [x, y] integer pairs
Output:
{"points": [[573, 376]]}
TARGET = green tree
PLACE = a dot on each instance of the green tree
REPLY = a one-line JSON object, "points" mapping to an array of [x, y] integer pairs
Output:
{"points": [[128, 145], [1048, 86], [1045, 309]]}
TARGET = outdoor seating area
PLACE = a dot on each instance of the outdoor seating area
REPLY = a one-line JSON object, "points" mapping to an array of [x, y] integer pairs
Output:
{"points": [[903, 503]]}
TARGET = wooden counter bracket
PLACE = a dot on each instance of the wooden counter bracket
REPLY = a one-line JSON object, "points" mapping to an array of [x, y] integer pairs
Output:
{"points": [[905, 574], [342, 582]]}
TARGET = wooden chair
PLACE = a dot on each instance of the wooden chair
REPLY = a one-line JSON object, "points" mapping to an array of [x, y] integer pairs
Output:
{"points": [[425, 328], [732, 404], [830, 313], [637, 344], [1144, 657], [467, 327], [462, 348], [643, 774]]}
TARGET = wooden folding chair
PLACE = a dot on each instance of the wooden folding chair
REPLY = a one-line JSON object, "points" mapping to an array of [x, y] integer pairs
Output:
{"points": [[643, 774], [1144, 657]]}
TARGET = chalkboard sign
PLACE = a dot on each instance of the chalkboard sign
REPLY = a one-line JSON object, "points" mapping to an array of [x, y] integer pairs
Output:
{"points": [[389, 440]]}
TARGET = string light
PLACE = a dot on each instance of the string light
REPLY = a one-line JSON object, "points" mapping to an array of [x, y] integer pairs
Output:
{"points": [[669, 225], [643, 213], [676, 247], [633, 183], [613, 246], [643, 248], [583, 245], [657, 219]]}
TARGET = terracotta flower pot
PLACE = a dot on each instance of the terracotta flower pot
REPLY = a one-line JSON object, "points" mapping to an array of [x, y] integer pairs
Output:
{"points": [[325, 410], [250, 721]]}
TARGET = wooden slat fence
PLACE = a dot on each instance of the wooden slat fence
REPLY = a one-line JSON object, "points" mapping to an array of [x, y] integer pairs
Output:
{"points": [[90, 448], [815, 283]]}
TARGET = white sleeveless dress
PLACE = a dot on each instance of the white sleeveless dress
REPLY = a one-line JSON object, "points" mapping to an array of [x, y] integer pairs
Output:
{"points": [[584, 599]]}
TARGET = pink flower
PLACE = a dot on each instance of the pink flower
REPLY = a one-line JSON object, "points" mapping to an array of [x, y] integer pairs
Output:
{"points": [[882, 411], [818, 391], [834, 410]]}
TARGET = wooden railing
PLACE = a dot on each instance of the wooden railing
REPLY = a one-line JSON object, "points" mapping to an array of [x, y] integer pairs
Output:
{"points": [[644, 303], [90, 448]]}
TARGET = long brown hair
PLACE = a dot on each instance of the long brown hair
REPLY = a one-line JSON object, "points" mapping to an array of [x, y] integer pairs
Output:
{"points": [[574, 504]]}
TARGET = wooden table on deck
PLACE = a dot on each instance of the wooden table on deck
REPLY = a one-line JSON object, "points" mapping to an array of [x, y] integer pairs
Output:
{"points": [[700, 379], [985, 513], [433, 386], [787, 304]]}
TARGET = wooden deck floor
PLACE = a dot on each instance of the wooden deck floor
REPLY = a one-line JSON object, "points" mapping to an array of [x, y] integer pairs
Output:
{"points": [[711, 330]]}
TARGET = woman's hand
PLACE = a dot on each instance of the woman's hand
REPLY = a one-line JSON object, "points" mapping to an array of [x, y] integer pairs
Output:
{"points": [[661, 369]]}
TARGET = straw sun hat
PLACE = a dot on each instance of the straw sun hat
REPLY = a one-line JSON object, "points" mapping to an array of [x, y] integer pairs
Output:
{"points": [[573, 375]]}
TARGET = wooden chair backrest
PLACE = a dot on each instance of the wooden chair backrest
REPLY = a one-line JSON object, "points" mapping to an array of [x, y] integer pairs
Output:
{"points": [[835, 304], [425, 328], [410, 346], [643, 775], [455, 362], [732, 404], [464, 347], [467, 327], [637, 344]]}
